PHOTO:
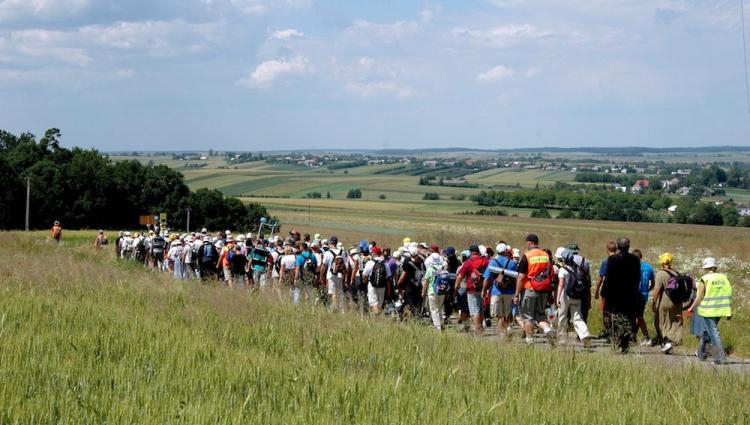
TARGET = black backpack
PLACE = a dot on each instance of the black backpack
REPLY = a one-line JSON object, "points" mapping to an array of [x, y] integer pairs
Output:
{"points": [[378, 275], [679, 288], [576, 285], [338, 265], [157, 246]]}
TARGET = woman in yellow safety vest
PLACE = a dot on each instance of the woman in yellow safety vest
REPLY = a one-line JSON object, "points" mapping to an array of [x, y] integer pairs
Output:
{"points": [[713, 301]]}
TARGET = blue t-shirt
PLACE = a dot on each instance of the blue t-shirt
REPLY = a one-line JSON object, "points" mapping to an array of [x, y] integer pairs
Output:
{"points": [[503, 263], [647, 275], [603, 268]]}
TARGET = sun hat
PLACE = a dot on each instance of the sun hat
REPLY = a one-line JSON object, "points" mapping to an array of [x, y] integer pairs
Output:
{"points": [[573, 247], [396, 254], [666, 258], [501, 248], [413, 251], [709, 263], [482, 250], [559, 252]]}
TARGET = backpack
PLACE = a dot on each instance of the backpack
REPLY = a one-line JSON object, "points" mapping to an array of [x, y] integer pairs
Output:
{"points": [[378, 275], [309, 266], [338, 265], [157, 246], [443, 282], [507, 282], [543, 281], [679, 287], [576, 285], [209, 253]]}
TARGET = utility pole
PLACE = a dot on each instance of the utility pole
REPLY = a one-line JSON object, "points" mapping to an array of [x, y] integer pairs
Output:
{"points": [[28, 200], [188, 219]]}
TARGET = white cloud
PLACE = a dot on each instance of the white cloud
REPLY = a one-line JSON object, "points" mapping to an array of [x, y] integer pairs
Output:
{"points": [[533, 72], [377, 88], [287, 34], [266, 73], [41, 9], [497, 73], [503, 35], [261, 7], [382, 32]]}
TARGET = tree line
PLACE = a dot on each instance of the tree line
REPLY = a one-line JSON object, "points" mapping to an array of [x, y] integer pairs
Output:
{"points": [[85, 189], [615, 206]]}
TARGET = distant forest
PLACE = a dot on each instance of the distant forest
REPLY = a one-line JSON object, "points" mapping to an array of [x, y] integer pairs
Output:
{"points": [[84, 189]]}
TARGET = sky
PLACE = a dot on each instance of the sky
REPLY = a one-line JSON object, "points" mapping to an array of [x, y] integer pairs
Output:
{"points": [[308, 74]]}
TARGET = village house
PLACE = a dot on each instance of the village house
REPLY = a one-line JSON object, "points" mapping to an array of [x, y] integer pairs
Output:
{"points": [[743, 210]]}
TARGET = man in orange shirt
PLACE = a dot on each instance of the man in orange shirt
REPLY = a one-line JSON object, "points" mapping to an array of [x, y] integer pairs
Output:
{"points": [[224, 261], [533, 286]]}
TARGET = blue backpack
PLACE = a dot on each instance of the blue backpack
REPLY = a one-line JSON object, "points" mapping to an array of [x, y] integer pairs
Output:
{"points": [[443, 282]]}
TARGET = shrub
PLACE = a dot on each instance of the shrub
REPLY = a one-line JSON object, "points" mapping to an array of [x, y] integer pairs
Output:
{"points": [[431, 196], [354, 194], [540, 213]]}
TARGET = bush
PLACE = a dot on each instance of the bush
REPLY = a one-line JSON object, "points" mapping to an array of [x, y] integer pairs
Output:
{"points": [[354, 194], [381, 197], [566, 214], [314, 195], [540, 213], [431, 196], [459, 197]]}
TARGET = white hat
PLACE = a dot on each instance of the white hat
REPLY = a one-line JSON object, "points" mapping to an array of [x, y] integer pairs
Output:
{"points": [[516, 253], [500, 248], [249, 235], [227, 232], [482, 250], [435, 258], [413, 251], [126, 233], [204, 230], [559, 251], [354, 251], [340, 245], [396, 254], [709, 263]]}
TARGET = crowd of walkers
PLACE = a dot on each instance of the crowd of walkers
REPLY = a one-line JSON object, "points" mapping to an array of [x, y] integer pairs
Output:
{"points": [[534, 290]]}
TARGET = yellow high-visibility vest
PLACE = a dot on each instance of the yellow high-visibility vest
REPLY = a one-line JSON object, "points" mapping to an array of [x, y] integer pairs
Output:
{"points": [[718, 299]]}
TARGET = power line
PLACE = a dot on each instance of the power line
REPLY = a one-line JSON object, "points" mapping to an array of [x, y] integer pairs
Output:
{"points": [[744, 52]]}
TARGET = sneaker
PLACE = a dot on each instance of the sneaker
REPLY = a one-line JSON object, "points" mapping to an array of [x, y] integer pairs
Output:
{"points": [[667, 348], [645, 343], [529, 340]]}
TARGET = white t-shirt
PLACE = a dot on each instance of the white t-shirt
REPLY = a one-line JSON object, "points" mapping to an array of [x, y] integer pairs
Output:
{"points": [[371, 264], [289, 262]]}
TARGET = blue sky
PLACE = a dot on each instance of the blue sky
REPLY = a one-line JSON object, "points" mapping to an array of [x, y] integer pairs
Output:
{"points": [[297, 74]]}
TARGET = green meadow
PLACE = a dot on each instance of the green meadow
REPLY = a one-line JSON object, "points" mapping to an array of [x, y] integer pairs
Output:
{"points": [[86, 339]]}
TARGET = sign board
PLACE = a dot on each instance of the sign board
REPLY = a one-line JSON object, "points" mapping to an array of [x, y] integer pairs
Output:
{"points": [[163, 219], [145, 220]]}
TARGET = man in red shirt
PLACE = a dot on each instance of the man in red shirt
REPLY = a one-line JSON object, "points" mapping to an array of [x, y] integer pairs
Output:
{"points": [[470, 279]]}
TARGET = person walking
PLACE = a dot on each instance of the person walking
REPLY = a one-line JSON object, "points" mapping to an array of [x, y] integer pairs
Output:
{"points": [[306, 270], [712, 303], [667, 312], [101, 240], [375, 276], [332, 273], [648, 279], [56, 231], [434, 288], [501, 287], [287, 274], [471, 273], [573, 285], [533, 286], [621, 290], [611, 249]]}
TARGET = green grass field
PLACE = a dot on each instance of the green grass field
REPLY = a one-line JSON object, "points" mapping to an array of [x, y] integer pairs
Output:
{"points": [[88, 340]]}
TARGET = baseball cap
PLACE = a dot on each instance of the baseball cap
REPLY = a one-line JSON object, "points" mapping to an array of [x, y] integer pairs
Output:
{"points": [[450, 251], [500, 248], [559, 252], [473, 248], [333, 240], [435, 248], [423, 245], [709, 263], [532, 238], [376, 250]]}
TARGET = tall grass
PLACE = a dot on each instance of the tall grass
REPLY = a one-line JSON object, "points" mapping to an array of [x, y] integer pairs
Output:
{"points": [[87, 340]]}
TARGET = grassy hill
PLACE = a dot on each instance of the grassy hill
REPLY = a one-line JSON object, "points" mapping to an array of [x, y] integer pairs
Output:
{"points": [[86, 339]]}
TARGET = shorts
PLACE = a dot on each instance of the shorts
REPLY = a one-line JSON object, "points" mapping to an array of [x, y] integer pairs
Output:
{"points": [[501, 305], [533, 305], [475, 304], [227, 274], [375, 296], [336, 286]]}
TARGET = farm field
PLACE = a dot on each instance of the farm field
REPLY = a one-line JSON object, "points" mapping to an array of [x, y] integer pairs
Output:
{"points": [[88, 339]]}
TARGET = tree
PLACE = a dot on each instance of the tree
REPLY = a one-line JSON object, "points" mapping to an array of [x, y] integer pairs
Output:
{"points": [[354, 194], [566, 214], [431, 196], [706, 213], [540, 213]]}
